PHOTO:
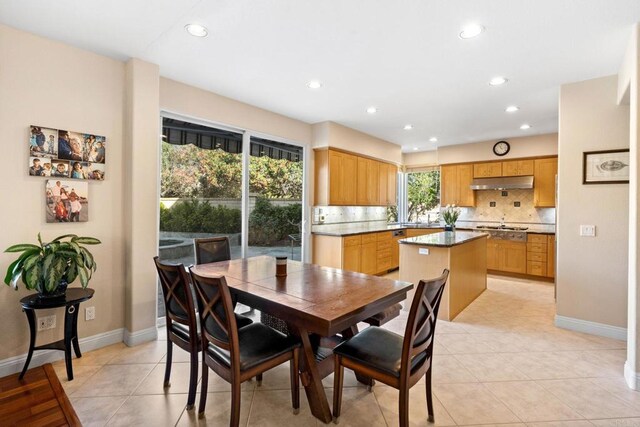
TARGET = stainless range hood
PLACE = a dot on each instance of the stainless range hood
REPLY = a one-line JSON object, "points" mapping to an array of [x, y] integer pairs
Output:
{"points": [[503, 183]]}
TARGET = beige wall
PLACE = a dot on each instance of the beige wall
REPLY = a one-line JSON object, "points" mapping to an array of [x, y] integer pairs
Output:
{"points": [[46, 83], [179, 98], [334, 135], [422, 158], [591, 271], [528, 146]]}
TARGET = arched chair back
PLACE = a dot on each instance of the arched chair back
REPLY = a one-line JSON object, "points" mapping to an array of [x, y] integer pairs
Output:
{"points": [[421, 325], [212, 249], [177, 293]]}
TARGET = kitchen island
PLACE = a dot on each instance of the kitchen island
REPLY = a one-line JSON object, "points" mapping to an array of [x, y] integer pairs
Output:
{"points": [[464, 253]]}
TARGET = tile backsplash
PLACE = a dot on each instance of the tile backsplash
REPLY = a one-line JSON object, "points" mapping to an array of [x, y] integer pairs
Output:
{"points": [[516, 206], [343, 214]]}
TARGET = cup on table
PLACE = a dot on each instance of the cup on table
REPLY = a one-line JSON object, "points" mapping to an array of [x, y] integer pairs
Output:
{"points": [[281, 266]]}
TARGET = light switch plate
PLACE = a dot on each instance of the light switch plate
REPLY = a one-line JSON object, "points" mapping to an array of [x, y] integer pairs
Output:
{"points": [[588, 230], [423, 251]]}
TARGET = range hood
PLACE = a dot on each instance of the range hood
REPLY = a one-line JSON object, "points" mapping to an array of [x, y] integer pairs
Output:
{"points": [[503, 183]]}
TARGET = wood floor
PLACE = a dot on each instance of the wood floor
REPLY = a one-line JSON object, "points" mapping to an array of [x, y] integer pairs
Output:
{"points": [[37, 400]]}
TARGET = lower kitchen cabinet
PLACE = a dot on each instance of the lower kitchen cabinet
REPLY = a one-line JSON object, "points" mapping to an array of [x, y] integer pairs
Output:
{"points": [[541, 255], [508, 256]]}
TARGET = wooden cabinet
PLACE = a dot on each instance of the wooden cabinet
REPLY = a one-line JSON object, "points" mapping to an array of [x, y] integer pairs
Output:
{"points": [[551, 255], [544, 182], [487, 170], [540, 255], [517, 168], [335, 178], [508, 256], [384, 248], [454, 185], [343, 179], [369, 254]]}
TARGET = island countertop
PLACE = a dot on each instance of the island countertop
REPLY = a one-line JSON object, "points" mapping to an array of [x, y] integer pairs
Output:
{"points": [[444, 239]]}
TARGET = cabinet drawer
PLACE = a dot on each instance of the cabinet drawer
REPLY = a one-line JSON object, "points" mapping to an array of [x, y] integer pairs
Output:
{"points": [[537, 238], [536, 268], [351, 241], [369, 238], [382, 254], [384, 245], [536, 256], [385, 235], [383, 265], [537, 247]]}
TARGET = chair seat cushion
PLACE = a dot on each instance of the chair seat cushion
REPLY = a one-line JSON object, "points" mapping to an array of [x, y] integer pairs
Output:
{"points": [[258, 343], [182, 330], [377, 348]]}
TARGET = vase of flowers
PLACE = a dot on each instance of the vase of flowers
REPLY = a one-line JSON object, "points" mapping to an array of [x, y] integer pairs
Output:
{"points": [[450, 215]]}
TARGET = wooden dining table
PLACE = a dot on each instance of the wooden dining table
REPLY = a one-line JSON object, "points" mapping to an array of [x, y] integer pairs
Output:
{"points": [[321, 305]]}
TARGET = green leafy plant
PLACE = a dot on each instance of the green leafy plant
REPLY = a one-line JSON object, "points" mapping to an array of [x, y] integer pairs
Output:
{"points": [[450, 214], [42, 267]]}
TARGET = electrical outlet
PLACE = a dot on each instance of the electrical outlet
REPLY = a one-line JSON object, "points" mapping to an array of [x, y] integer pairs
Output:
{"points": [[90, 313], [46, 322], [588, 230], [423, 251]]}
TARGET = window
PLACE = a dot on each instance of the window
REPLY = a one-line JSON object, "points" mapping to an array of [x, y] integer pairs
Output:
{"points": [[422, 195]]}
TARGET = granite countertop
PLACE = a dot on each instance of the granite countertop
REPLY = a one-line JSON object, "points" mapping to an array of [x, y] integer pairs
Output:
{"points": [[444, 239], [354, 229]]}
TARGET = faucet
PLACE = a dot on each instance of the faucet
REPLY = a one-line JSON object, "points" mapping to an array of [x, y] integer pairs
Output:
{"points": [[502, 222]]}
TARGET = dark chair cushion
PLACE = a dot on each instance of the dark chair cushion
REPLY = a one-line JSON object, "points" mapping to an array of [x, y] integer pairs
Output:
{"points": [[377, 348], [182, 330], [258, 343]]}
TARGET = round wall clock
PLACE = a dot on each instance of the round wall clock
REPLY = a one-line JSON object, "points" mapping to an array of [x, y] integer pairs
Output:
{"points": [[501, 148]]}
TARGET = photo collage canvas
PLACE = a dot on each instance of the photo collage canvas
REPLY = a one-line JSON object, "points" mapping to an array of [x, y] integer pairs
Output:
{"points": [[66, 154]]}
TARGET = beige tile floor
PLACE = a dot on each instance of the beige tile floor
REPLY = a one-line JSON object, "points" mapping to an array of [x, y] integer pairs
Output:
{"points": [[501, 361]]}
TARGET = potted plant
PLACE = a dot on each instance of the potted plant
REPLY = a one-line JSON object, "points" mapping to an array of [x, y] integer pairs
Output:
{"points": [[450, 215], [49, 267]]}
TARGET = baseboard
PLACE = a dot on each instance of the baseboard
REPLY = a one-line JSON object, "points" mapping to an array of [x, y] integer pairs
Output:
{"points": [[132, 339], [15, 364], [631, 377], [593, 328], [161, 322]]}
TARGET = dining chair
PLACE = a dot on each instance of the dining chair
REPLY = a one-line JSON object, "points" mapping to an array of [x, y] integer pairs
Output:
{"points": [[391, 359], [212, 249], [235, 354], [182, 323]]}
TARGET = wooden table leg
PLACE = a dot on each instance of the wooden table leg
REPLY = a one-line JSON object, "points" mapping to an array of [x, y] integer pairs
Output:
{"points": [[313, 382], [362, 379]]}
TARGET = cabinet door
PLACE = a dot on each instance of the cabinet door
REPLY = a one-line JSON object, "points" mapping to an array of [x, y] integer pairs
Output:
{"points": [[510, 168], [373, 182], [513, 257], [336, 178], [395, 252], [492, 255], [525, 167], [351, 258], [487, 170], [544, 183], [392, 184], [551, 255], [448, 185], [350, 178], [383, 184], [466, 196], [368, 258], [362, 195]]}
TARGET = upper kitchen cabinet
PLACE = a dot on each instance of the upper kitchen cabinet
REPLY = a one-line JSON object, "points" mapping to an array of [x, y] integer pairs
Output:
{"points": [[387, 184], [368, 182], [544, 182], [517, 168], [455, 182], [487, 170], [335, 178]]}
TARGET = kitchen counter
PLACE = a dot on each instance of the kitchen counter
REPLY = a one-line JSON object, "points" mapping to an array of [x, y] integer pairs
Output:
{"points": [[445, 239]]}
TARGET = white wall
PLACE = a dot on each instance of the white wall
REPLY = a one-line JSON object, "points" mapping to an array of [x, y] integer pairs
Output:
{"points": [[591, 271], [47, 83]]}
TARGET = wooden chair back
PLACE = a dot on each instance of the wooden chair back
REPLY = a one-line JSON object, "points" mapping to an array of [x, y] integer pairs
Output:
{"points": [[217, 319], [212, 249], [177, 293], [421, 324]]}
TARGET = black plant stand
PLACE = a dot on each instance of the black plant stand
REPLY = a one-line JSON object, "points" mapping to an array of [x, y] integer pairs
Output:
{"points": [[71, 302]]}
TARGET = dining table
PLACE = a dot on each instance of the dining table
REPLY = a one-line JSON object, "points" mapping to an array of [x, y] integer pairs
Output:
{"points": [[321, 305]]}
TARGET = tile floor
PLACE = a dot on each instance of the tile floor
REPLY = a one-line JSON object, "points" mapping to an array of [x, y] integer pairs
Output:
{"points": [[502, 361]]}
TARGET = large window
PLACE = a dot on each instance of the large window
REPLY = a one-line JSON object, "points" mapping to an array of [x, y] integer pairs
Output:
{"points": [[422, 198]]}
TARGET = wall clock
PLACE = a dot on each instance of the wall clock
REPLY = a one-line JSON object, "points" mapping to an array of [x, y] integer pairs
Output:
{"points": [[501, 148]]}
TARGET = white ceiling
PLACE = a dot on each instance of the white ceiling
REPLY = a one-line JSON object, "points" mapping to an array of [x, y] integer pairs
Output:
{"points": [[404, 57]]}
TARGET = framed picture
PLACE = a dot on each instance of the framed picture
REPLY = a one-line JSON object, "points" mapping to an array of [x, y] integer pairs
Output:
{"points": [[67, 200], [64, 153], [606, 167]]}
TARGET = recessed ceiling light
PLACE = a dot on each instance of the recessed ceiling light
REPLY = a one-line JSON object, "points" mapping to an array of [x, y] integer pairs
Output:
{"points": [[408, 127], [525, 126], [415, 148], [471, 31], [196, 30], [512, 109], [314, 84], [372, 110], [497, 81], [433, 139]]}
